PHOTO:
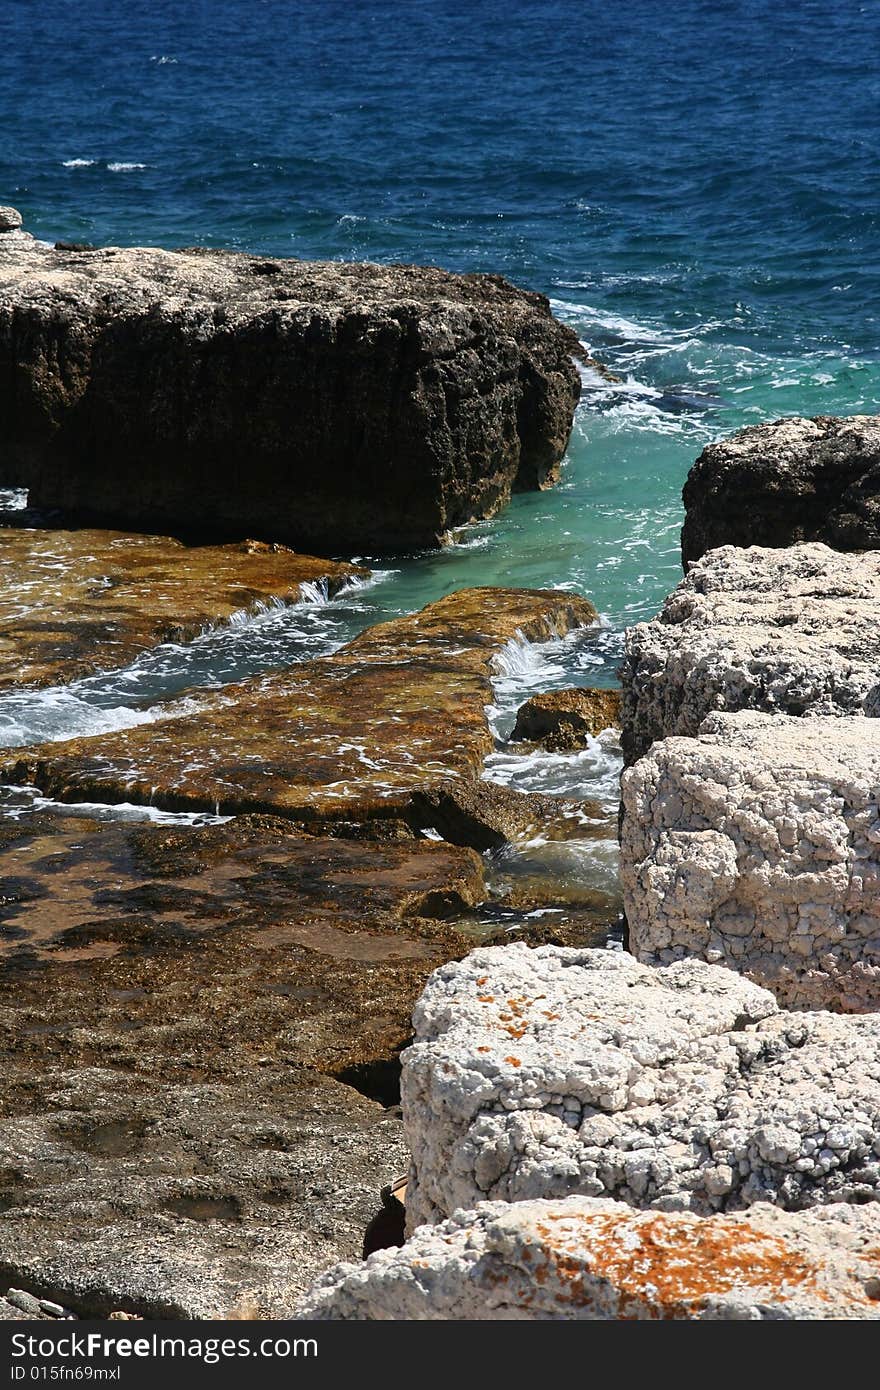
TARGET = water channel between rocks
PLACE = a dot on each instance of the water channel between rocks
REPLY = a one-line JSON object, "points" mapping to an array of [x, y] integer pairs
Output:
{"points": [[555, 874]]}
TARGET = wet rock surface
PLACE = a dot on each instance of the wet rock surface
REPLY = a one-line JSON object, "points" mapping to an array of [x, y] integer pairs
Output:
{"points": [[598, 1260], [792, 480], [563, 720], [198, 1033], [395, 716], [76, 602], [548, 1073], [789, 631], [367, 407], [755, 845]]}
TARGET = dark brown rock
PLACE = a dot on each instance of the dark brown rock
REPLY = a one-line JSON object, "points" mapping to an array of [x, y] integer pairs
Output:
{"points": [[334, 406], [562, 720], [793, 480]]}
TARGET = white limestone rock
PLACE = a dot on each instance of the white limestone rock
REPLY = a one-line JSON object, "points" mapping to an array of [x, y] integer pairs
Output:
{"points": [[757, 845], [599, 1261], [785, 631], [543, 1073]]}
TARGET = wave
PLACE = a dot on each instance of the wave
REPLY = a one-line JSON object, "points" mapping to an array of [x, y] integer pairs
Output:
{"points": [[17, 802], [78, 163]]}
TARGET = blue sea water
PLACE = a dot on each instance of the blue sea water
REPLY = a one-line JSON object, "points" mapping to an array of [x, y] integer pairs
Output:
{"points": [[695, 187]]}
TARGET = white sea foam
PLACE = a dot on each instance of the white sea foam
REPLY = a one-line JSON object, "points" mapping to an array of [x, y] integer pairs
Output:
{"points": [[122, 167], [78, 163], [18, 802]]}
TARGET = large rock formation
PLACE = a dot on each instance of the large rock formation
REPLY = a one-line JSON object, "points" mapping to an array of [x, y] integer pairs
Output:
{"points": [[793, 480], [75, 602], [335, 406], [393, 725], [597, 1260], [757, 845], [551, 1072], [787, 631]]}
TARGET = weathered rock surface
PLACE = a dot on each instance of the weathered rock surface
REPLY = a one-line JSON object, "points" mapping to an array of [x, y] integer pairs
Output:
{"points": [[368, 733], [793, 480], [757, 845], [556, 1072], [334, 406], [598, 1260], [563, 720], [10, 219], [183, 1015], [75, 602], [787, 631]]}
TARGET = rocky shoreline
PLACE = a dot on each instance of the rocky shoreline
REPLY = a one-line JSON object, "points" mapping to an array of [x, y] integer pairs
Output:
{"points": [[721, 1084], [224, 1026]]}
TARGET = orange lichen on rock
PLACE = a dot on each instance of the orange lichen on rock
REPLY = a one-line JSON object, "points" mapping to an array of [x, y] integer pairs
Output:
{"points": [[674, 1262]]}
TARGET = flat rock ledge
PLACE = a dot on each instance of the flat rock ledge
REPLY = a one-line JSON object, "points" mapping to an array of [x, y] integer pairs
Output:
{"points": [[392, 726], [337, 407], [757, 845], [553, 1072], [76, 602], [597, 1260], [786, 631], [793, 480]]}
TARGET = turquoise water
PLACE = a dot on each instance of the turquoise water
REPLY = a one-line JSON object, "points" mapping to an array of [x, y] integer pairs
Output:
{"points": [[695, 187]]}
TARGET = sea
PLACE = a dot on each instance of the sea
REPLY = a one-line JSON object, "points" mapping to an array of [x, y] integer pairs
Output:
{"points": [[696, 188]]}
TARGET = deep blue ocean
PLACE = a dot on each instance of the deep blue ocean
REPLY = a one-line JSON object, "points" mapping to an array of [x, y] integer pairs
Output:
{"points": [[696, 187]]}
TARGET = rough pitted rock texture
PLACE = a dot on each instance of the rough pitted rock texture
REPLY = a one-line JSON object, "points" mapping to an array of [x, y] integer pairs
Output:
{"points": [[596, 1260], [553, 1072], [10, 219], [337, 406], [788, 631], [563, 720], [793, 480], [758, 845]]}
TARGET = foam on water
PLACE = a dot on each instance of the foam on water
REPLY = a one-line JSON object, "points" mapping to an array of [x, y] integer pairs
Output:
{"points": [[17, 803], [253, 641]]}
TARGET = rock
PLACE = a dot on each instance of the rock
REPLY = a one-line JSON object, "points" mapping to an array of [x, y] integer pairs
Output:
{"points": [[793, 480], [787, 631], [597, 1260], [756, 845], [25, 1302], [10, 219], [487, 815], [554, 1072], [252, 1186], [54, 1310], [358, 736], [333, 406], [76, 602], [184, 1015], [563, 720]]}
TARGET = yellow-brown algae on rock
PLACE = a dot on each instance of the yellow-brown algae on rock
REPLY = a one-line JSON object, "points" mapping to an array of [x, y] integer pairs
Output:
{"points": [[397, 714], [76, 602], [563, 720]]}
